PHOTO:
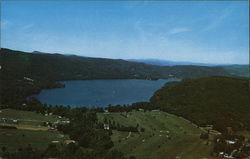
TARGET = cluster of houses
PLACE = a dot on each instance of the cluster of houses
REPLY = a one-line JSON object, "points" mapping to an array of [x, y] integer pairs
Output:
{"points": [[213, 136], [53, 125], [166, 133], [50, 125], [245, 146], [9, 121], [48, 114]]}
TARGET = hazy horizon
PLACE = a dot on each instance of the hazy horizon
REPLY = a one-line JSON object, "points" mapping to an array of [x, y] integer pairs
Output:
{"points": [[199, 32]]}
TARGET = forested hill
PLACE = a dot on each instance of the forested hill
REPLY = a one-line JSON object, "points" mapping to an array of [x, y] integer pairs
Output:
{"points": [[222, 101], [238, 70], [25, 73], [60, 67]]}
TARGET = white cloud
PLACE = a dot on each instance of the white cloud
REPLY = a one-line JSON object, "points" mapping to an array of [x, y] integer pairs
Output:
{"points": [[178, 30], [26, 27]]}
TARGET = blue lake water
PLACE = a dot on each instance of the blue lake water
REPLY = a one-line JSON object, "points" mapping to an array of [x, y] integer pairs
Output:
{"points": [[93, 93]]}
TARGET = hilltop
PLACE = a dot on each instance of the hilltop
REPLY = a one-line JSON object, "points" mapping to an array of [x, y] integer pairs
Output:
{"points": [[160, 62], [221, 101], [240, 70], [61, 67]]}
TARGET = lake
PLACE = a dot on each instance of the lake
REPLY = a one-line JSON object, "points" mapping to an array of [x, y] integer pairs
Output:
{"points": [[93, 93]]}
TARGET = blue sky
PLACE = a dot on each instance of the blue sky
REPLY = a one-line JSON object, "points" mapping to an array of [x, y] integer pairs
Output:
{"points": [[196, 31]]}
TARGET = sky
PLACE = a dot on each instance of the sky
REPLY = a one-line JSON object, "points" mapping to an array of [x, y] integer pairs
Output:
{"points": [[197, 31]]}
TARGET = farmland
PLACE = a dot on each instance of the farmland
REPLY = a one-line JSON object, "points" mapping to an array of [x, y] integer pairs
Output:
{"points": [[30, 130], [165, 135]]}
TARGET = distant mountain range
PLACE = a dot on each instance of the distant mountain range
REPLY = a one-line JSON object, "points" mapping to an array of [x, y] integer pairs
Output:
{"points": [[240, 70], [159, 62]]}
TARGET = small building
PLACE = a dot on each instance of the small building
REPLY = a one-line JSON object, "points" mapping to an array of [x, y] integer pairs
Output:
{"points": [[15, 121], [28, 79], [228, 156], [55, 142], [106, 126], [221, 154], [141, 110], [106, 111], [212, 134], [69, 142], [51, 129], [208, 127], [231, 142], [65, 121]]}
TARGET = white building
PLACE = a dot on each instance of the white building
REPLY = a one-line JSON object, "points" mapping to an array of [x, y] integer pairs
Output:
{"points": [[106, 126]]}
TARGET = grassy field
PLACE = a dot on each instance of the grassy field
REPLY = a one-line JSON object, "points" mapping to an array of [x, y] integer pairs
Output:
{"points": [[244, 133], [14, 139], [29, 130], [165, 136], [26, 115], [27, 119]]}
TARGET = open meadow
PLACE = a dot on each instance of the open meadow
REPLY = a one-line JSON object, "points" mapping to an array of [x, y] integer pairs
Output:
{"points": [[30, 130], [165, 136]]}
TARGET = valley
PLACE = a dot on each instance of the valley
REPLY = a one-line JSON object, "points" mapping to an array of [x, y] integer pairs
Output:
{"points": [[165, 125]]}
